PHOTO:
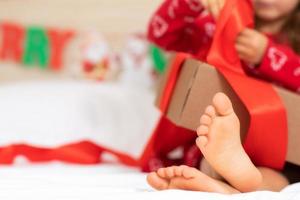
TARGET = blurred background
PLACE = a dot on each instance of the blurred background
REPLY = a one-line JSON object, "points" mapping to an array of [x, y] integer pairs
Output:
{"points": [[110, 23], [74, 71]]}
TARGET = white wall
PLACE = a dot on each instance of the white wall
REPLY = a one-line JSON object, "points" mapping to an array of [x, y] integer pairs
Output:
{"points": [[113, 17]]}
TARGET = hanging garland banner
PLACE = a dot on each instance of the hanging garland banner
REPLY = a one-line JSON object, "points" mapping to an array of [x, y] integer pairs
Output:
{"points": [[12, 42], [58, 41], [34, 45]]}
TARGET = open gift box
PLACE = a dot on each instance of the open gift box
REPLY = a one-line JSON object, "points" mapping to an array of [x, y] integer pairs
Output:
{"points": [[195, 86], [268, 114]]}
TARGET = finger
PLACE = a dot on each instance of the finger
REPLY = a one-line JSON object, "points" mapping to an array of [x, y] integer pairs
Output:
{"points": [[248, 32], [244, 53], [221, 4], [204, 3], [245, 59], [213, 8], [244, 40], [243, 50]]}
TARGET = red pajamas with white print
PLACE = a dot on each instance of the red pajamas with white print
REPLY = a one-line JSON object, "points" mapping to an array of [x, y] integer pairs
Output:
{"points": [[185, 26]]}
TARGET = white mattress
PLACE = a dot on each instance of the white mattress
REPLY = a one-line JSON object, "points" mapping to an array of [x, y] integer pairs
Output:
{"points": [[57, 181]]}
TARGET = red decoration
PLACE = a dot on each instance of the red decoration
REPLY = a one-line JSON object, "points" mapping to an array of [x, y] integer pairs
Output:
{"points": [[165, 138], [84, 152], [36, 47], [266, 141], [12, 41], [58, 41]]}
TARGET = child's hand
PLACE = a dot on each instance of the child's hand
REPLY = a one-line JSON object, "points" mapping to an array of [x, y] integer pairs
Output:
{"points": [[251, 46], [214, 6]]}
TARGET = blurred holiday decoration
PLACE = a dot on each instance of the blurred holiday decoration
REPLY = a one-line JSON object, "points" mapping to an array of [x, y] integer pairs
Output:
{"points": [[34, 45], [159, 58], [86, 54], [135, 61], [95, 56]]}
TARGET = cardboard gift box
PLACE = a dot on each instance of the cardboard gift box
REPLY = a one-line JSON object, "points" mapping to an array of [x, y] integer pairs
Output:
{"points": [[196, 85]]}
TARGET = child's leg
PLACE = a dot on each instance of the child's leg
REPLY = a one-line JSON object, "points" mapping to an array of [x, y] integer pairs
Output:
{"points": [[272, 180], [187, 178], [219, 141]]}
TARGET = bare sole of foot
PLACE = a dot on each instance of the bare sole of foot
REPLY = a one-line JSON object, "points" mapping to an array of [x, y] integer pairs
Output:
{"points": [[187, 178], [209, 171], [219, 141]]}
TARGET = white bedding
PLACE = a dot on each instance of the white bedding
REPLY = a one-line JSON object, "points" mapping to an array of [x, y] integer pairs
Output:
{"points": [[56, 181], [54, 113], [51, 114]]}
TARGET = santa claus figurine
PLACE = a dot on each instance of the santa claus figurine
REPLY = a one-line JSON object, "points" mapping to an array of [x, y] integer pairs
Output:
{"points": [[95, 56]]}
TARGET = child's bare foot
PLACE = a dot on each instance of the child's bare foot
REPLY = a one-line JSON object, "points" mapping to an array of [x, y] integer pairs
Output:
{"points": [[186, 178], [219, 141]]}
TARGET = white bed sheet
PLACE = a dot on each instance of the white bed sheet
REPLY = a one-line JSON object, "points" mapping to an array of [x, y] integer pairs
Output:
{"points": [[54, 113], [57, 181]]}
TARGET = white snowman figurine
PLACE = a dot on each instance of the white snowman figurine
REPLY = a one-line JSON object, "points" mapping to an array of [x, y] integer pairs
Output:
{"points": [[135, 62]]}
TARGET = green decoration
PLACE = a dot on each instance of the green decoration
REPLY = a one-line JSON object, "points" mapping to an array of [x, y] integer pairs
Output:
{"points": [[159, 59], [36, 47]]}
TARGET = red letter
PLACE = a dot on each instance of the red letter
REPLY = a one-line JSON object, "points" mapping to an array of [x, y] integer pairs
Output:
{"points": [[12, 41], [58, 40]]}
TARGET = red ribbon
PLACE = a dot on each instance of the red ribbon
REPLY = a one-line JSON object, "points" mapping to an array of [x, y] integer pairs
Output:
{"points": [[84, 152], [266, 141]]}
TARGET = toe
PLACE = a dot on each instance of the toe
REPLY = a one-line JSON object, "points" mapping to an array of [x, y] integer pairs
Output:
{"points": [[210, 111], [201, 142], [162, 172], [170, 172], [205, 120], [157, 182], [222, 104], [178, 170], [202, 130], [190, 172]]}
